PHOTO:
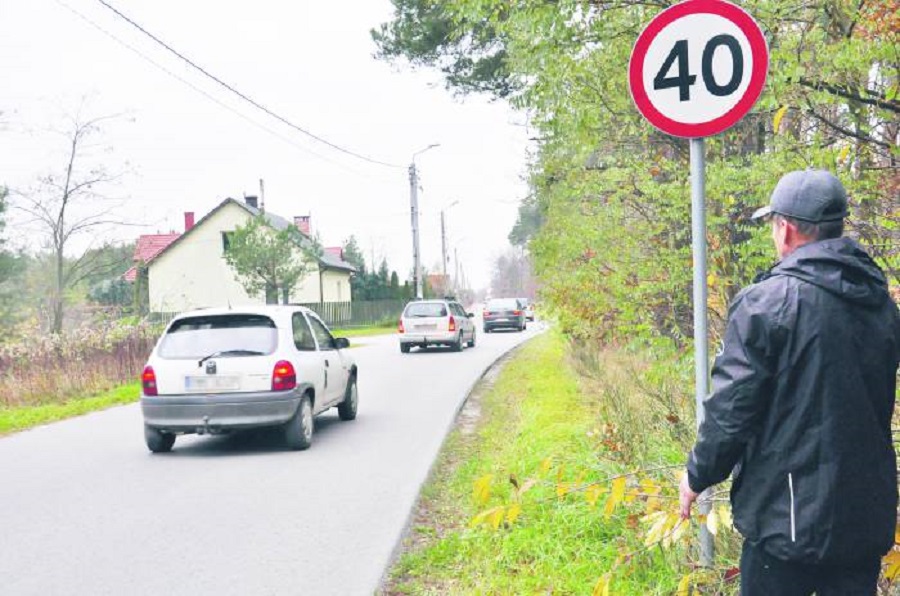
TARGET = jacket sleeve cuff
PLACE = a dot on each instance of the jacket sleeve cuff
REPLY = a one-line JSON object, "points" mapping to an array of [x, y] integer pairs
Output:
{"points": [[694, 481]]}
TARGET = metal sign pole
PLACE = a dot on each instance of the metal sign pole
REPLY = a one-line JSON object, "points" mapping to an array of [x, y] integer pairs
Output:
{"points": [[701, 351]]}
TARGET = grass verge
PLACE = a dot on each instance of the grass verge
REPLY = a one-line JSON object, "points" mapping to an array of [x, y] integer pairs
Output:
{"points": [[13, 419], [515, 504], [365, 331]]}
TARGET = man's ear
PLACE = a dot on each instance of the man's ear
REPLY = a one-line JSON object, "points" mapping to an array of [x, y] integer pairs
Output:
{"points": [[791, 234]]}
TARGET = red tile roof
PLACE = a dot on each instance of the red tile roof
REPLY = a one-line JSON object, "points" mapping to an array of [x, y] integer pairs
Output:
{"points": [[147, 247]]}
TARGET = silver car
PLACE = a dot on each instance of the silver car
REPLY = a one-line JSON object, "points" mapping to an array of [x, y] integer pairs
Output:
{"points": [[427, 323]]}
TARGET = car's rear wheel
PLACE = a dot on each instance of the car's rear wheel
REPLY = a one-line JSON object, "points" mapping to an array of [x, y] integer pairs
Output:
{"points": [[404, 348], [347, 408], [487, 329], [472, 341], [458, 345], [158, 441], [299, 429]]}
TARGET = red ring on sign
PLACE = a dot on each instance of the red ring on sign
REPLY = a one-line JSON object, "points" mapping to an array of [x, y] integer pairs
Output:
{"points": [[758, 49]]}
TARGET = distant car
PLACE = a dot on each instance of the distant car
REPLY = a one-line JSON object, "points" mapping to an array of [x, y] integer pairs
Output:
{"points": [[528, 306], [504, 313], [427, 323], [219, 370]]}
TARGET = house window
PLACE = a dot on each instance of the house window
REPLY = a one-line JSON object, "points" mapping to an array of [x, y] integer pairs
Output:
{"points": [[226, 241]]}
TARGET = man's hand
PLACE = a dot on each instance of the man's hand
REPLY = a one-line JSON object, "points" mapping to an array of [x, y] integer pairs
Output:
{"points": [[686, 497]]}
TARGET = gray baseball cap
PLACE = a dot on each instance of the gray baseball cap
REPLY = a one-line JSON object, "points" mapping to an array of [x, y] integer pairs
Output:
{"points": [[815, 196]]}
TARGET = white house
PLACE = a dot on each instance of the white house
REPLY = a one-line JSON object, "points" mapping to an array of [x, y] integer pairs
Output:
{"points": [[191, 271]]}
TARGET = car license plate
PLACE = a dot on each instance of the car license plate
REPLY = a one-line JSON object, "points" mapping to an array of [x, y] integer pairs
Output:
{"points": [[427, 327], [502, 319], [211, 383]]}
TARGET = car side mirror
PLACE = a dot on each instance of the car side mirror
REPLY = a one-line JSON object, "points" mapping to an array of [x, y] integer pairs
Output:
{"points": [[341, 343], [471, 315]]}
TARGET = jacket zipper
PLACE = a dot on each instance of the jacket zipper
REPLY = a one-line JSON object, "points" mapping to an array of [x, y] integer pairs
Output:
{"points": [[793, 518]]}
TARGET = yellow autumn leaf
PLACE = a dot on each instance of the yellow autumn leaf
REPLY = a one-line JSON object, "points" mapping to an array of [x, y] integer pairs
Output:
{"points": [[617, 493], [562, 489], [648, 487], [545, 465], [481, 491], [668, 533], [512, 514], [592, 494], [842, 156], [601, 588], [479, 519], [711, 279], [892, 562], [712, 522], [560, 472], [496, 517], [680, 531], [776, 123], [684, 586], [658, 522]]}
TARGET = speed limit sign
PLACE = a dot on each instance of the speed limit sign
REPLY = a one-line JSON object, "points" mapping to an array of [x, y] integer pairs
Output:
{"points": [[698, 67]]}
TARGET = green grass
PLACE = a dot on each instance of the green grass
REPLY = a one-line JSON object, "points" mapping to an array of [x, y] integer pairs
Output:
{"points": [[24, 417], [535, 410], [365, 331]]}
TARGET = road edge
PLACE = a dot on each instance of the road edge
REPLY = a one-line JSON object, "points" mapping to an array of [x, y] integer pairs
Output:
{"points": [[407, 524]]}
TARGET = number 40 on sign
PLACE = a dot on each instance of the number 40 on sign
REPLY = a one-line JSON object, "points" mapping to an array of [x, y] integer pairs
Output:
{"points": [[698, 67]]}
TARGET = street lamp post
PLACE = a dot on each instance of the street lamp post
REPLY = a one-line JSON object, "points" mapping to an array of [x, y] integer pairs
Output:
{"points": [[414, 208]]}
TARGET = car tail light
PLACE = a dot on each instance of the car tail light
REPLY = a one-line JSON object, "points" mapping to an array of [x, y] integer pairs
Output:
{"points": [[517, 312], [400, 328], [452, 325], [148, 381], [487, 313], [283, 376]]}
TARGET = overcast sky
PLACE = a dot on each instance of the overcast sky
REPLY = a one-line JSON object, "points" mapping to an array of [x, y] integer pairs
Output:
{"points": [[310, 62]]}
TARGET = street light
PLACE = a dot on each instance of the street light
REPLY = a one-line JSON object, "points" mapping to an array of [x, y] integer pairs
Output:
{"points": [[444, 236], [414, 208]]}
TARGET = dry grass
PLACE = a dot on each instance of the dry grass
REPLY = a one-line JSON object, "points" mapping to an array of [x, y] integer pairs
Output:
{"points": [[53, 369]]}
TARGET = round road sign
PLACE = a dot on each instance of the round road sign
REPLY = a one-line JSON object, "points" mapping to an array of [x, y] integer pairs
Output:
{"points": [[698, 67]]}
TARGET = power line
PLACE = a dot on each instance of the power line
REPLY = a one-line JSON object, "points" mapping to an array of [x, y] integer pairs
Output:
{"points": [[243, 96], [209, 96]]}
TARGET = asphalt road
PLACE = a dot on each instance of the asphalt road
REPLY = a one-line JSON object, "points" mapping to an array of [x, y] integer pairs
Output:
{"points": [[86, 509]]}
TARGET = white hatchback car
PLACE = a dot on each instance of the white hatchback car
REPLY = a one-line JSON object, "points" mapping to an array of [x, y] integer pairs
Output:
{"points": [[435, 323], [219, 370]]}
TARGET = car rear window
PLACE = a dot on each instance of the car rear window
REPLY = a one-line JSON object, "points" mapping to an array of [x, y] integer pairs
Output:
{"points": [[503, 304], [228, 335], [426, 309]]}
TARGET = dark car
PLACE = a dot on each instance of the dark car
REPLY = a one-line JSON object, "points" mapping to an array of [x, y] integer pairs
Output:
{"points": [[504, 313]]}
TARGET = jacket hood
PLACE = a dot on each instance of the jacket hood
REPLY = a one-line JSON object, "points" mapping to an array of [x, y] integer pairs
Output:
{"points": [[839, 266]]}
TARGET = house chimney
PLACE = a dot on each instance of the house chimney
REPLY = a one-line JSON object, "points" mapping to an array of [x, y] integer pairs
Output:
{"points": [[251, 201], [302, 223], [188, 220]]}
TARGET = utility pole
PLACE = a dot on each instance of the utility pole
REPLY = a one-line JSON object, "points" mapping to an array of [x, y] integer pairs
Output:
{"points": [[414, 214], [414, 208]]}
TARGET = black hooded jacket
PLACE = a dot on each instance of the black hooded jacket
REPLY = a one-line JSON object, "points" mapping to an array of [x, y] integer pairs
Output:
{"points": [[802, 397]]}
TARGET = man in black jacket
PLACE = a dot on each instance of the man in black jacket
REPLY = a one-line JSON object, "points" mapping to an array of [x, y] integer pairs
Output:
{"points": [[800, 410]]}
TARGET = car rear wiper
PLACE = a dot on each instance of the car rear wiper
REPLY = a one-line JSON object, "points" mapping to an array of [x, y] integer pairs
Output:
{"points": [[228, 353]]}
